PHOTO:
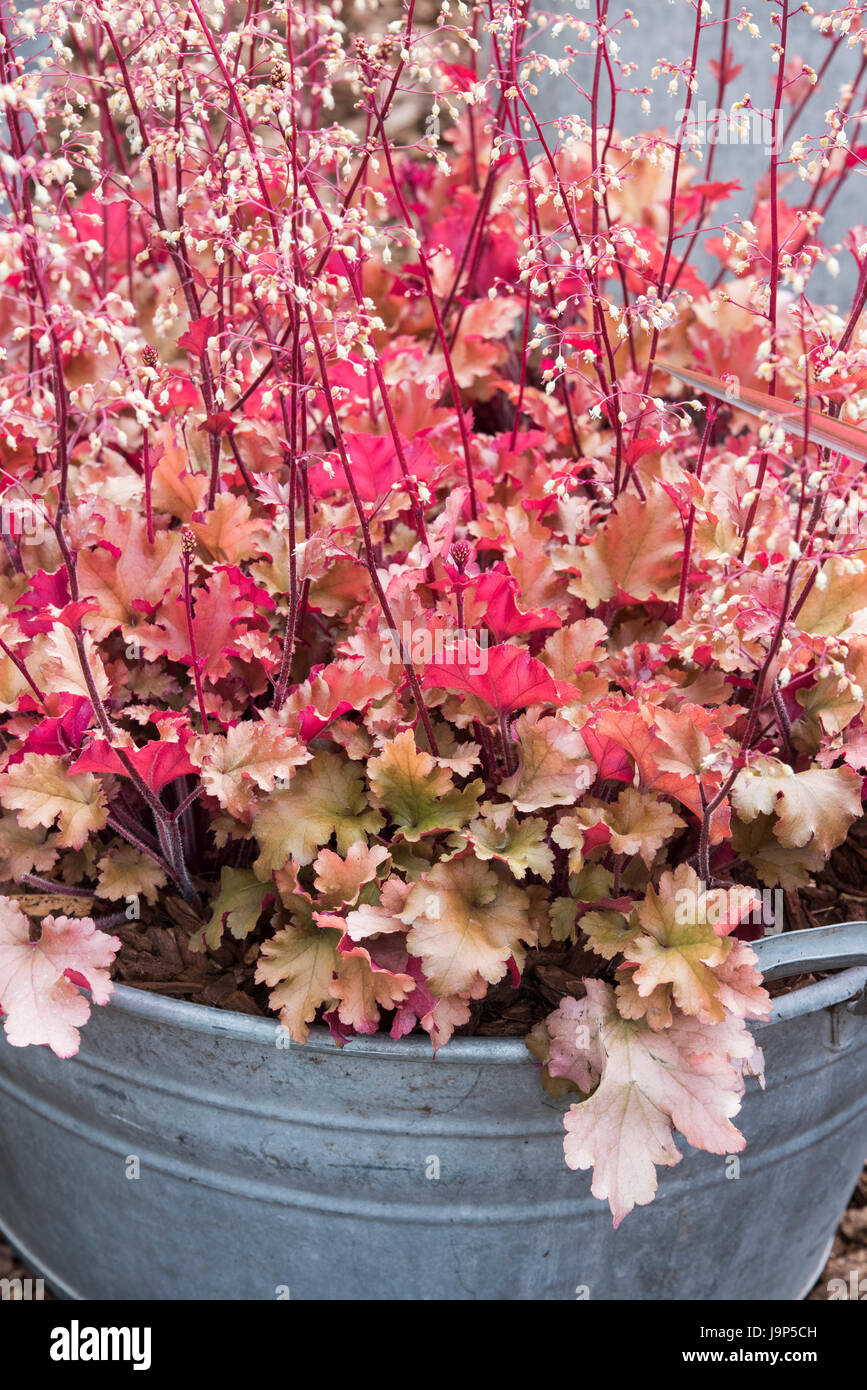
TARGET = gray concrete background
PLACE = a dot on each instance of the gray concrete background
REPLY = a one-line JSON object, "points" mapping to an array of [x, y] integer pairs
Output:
{"points": [[666, 30]]}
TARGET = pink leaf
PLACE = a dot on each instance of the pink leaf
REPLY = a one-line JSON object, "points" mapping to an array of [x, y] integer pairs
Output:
{"points": [[39, 979]]}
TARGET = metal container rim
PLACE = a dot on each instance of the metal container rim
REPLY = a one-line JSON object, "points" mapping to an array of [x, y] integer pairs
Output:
{"points": [[839, 944], [185, 1016]]}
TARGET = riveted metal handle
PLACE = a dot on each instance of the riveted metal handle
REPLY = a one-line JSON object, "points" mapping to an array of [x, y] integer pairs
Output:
{"points": [[841, 946]]}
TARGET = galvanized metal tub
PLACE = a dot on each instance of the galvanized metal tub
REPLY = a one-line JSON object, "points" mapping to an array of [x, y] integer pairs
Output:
{"points": [[376, 1173]]}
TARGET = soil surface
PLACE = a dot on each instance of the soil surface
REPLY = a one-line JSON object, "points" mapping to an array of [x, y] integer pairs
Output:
{"points": [[159, 957]]}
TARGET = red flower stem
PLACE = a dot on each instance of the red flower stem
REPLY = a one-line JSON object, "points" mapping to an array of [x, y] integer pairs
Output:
{"points": [[45, 885], [857, 309], [168, 838], [346, 202], [191, 632], [187, 802], [756, 706], [774, 263], [690, 524], [722, 83], [506, 739], [431, 296], [132, 838], [292, 619], [17, 661], [609, 384], [146, 470], [409, 478], [365, 531], [672, 205]]}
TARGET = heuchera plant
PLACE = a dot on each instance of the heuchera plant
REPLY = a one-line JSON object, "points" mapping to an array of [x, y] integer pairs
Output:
{"points": [[410, 559]]}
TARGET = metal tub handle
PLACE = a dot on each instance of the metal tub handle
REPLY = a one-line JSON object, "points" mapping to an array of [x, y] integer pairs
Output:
{"points": [[842, 945]]}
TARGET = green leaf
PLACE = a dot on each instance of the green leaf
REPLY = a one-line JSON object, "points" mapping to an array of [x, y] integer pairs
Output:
{"points": [[238, 906]]}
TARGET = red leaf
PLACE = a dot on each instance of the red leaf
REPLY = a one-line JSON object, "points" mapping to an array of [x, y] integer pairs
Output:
{"points": [[219, 423], [505, 677], [611, 760], [158, 763], [495, 592], [60, 736], [461, 78], [46, 591], [196, 338]]}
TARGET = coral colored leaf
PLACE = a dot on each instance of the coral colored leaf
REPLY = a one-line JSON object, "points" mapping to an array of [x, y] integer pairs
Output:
{"points": [[40, 1002], [678, 945], [640, 823], [685, 1077], [337, 688], [174, 488], [325, 798], [581, 832], [59, 669], [636, 550], [465, 922], [816, 806], [573, 1052], [42, 790], [741, 991], [632, 729], [776, 865], [362, 988], [505, 677], [222, 611], [124, 872], [298, 965], [837, 608], [23, 850], [249, 756], [438, 1017], [419, 796], [339, 881], [842, 437], [575, 648], [382, 918], [229, 533], [137, 574], [553, 766]]}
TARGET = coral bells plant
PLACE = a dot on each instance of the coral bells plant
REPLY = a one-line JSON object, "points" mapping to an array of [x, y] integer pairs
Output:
{"points": [[428, 602]]}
